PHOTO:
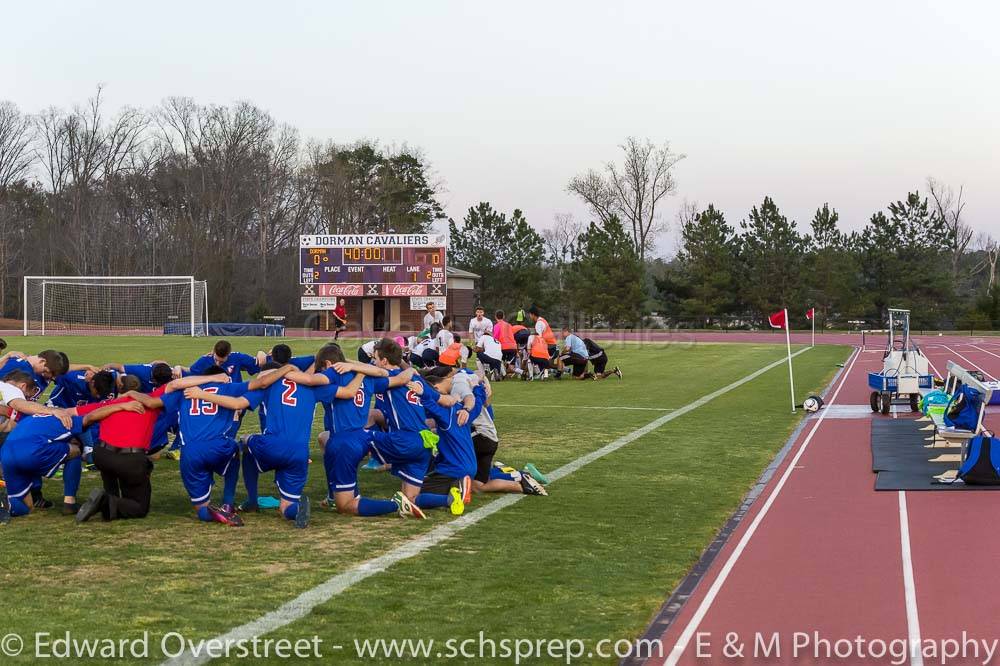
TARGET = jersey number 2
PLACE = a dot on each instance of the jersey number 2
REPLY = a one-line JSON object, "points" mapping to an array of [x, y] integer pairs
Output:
{"points": [[288, 395]]}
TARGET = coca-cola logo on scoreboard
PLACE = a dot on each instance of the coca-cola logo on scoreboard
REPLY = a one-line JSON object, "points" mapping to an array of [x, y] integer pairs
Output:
{"points": [[404, 290]]}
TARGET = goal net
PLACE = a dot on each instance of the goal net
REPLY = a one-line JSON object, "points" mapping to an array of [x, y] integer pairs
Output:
{"points": [[127, 305]]}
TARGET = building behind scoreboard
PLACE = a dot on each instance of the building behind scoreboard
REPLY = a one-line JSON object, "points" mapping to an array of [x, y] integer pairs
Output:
{"points": [[406, 313]]}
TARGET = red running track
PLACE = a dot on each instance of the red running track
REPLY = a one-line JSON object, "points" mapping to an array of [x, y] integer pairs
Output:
{"points": [[821, 556]]}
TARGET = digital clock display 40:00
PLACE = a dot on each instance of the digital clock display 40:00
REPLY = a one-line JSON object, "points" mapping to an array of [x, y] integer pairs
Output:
{"points": [[377, 256]]}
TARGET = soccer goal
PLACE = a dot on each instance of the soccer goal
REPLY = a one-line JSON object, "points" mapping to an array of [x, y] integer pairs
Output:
{"points": [[117, 305]]}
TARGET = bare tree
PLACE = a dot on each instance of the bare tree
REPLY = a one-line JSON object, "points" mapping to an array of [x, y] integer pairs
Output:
{"points": [[633, 190], [948, 206], [16, 133], [991, 254]]}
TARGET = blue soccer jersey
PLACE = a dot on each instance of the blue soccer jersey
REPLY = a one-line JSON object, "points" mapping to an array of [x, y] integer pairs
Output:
{"points": [[21, 364], [200, 420], [36, 447], [352, 413], [235, 364], [290, 407], [144, 371], [456, 452], [404, 411], [70, 390]]}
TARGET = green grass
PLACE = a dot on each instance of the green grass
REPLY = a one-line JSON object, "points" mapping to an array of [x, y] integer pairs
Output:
{"points": [[592, 561]]}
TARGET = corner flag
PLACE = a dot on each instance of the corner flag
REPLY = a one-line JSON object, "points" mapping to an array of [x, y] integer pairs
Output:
{"points": [[780, 320]]}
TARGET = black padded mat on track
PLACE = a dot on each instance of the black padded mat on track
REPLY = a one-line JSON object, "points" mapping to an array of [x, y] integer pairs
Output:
{"points": [[904, 460]]}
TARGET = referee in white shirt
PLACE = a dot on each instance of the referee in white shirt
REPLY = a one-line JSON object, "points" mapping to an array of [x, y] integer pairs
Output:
{"points": [[433, 316]]}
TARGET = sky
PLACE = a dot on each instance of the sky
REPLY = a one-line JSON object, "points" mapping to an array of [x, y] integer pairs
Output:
{"points": [[851, 103]]}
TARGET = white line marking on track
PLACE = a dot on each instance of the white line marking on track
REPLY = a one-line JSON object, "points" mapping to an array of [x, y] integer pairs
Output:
{"points": [[303, 604], [685, 638], [909, 588], [985, 351], [969, 360]]}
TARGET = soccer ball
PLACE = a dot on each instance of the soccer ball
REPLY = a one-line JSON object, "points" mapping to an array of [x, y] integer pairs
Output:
{"points": [[812, 403]]}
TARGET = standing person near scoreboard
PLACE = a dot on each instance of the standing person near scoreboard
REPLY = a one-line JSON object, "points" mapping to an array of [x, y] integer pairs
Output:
{"points": [[340, 318], [432, 316], [480, 324]]}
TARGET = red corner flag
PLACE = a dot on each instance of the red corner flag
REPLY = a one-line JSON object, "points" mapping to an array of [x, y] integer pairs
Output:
{"points": [[810, 313], [777, 320]]}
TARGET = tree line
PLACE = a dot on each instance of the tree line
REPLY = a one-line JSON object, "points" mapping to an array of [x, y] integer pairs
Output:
{"points": [[218, 192], [223, 192]]}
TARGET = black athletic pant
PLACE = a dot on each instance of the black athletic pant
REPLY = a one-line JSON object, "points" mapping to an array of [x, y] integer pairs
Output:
{"points": [[126, 480]]}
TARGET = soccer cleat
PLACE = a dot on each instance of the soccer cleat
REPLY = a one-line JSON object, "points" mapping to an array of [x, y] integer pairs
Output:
{"points": [[249, 507], [43, 504], [406, 507], [373, 464], [229, 508], [532, 471], [465, 487], [456, 504], [70, 509], [618, 372], [4, 508], [92, 506], [305, 511], [328, 503], [531, 487], [172, 454], [221, 515]]}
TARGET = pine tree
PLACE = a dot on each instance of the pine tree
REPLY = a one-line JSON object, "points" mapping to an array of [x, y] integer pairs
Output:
{"points": [[771, 252], [707, 260], [607, 275]]}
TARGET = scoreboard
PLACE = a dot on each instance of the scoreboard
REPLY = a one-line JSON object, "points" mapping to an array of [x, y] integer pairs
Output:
{"points": [[372, 265]]}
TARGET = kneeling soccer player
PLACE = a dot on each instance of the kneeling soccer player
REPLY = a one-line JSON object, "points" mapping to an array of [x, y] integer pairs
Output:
{"points": [[284, 446], [346, 445], [407, 444], [37, 447]]}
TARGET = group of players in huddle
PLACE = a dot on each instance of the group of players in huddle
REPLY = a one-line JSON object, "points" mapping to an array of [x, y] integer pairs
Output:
{"points": [[434, 430], [507, 349]]}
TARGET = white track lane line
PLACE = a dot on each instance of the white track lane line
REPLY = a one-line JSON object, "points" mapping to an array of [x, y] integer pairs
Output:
{"points": [[969, 360], [909, 588], [985, 351], [303, 604], [706, 603]]}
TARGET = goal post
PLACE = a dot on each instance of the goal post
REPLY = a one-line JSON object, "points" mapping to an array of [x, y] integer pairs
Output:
{"points": [[114, 305]]}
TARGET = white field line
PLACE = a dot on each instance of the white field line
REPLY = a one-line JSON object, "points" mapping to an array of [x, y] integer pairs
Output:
{"points": [[706, 603], [303, 604], [605, 407]]}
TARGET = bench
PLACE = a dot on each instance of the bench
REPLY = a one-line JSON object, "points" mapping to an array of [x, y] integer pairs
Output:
{"points": [[957, 375]]}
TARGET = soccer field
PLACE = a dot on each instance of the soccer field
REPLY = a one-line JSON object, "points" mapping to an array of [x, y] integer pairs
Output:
{"points": [[592, 561]]}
